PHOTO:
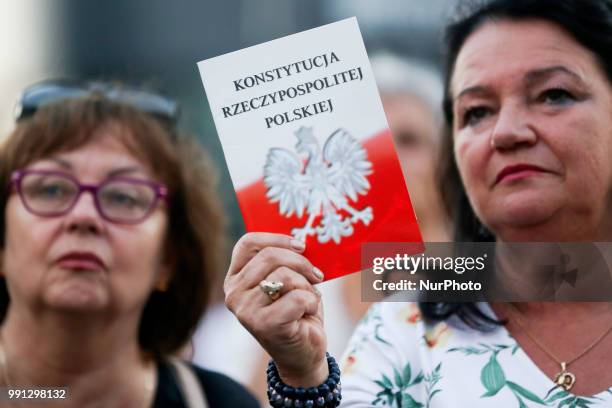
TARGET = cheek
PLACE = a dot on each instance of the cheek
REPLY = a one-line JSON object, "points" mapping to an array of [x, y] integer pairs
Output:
{"points": [[22, 252], [584, 152], [25, 260], [588, 174], [133, 253], [409, 161], [138, 251], [472, 155], [469, 161], [417, 160]]}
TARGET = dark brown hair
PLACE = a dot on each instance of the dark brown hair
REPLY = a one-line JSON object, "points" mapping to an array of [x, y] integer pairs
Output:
{"points": [[194, 238]]}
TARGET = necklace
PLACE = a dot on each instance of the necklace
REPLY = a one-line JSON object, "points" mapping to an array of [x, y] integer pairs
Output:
{"points": [[149, 378], [564, 379]]}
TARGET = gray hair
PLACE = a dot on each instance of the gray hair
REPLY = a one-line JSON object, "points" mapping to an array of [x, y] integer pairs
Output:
{"points": [[396, 74]]}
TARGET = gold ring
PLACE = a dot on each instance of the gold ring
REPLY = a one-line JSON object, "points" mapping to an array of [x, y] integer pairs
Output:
{"points": [[271, 288]]}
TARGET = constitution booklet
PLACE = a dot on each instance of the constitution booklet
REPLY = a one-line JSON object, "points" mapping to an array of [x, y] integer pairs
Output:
{"points": [[307, 144]]}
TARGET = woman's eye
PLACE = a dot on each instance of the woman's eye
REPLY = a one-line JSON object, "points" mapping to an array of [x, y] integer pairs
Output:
{"points": [[556, 96], [407, 139], [119, 198], [474, 115], [52, 190]]}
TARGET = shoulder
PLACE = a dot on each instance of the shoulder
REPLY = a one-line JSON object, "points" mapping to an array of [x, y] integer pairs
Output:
{"points": [[220, 390], [396, 319], [387, 325]]}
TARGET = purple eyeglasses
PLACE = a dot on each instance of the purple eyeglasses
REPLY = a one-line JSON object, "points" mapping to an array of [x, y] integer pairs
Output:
{"points": [[122, 200]]}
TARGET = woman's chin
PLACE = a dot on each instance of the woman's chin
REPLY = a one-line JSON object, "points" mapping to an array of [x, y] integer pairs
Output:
{"points": [[522, 212], [526, 216], [76, 297]]}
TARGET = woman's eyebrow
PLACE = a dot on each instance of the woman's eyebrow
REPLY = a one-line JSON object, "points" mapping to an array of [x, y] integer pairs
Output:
{"points": [[531, 78], [63, 163], [124, 170], [476, 90], [112, 173], [542, 74]]}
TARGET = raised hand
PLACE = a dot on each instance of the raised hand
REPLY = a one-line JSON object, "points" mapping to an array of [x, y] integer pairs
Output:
{"points": [[290, 328]]}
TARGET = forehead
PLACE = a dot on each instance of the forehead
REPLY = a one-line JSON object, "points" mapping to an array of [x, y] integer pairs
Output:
{"points": [[106, 150], [407, 110], [506, 50]]}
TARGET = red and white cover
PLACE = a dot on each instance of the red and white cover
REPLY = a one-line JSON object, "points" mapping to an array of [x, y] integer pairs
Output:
{"points": [[307, 144]]}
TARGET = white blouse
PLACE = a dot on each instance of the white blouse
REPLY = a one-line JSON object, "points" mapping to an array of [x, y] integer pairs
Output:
{"points": [[395, 359]]}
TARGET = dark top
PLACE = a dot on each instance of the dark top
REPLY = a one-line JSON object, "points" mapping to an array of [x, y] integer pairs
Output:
{"points": [[220, 390]]}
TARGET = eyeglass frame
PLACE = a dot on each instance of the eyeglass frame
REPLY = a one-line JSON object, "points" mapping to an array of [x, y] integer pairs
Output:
{"points": [[161, 192]]}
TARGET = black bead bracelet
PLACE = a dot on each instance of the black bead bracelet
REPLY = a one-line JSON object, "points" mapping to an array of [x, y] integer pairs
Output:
{"points": [[325, 395]]}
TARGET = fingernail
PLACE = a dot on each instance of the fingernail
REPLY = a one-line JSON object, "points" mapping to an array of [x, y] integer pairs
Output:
{"points": [[317, 291], [297, 245], [318, 273]]}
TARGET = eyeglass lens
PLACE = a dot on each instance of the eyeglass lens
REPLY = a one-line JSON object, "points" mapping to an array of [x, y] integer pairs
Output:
{"points": [[53, 194]]}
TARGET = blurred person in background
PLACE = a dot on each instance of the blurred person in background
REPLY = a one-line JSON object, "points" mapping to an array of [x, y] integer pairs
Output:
{"points": [[411, 93], [110, 234]]}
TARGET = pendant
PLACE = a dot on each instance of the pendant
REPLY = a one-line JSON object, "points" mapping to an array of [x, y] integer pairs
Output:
{"points": [[565, 379]]}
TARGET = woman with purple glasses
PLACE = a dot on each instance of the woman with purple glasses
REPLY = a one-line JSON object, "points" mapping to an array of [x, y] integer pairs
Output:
{"points": [[109, 240]]}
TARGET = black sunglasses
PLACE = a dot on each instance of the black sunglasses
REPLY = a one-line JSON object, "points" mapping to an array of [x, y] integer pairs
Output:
{"points": [[46, 92]]}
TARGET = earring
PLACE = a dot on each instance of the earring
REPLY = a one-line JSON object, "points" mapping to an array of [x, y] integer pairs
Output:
{"points": [[162, 286]]}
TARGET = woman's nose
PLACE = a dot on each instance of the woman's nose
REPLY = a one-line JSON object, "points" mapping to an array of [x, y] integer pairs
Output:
{"points": [[512, 129], [84, 215]]}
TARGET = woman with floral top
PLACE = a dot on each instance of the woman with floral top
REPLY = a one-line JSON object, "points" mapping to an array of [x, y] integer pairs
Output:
{"points": [[529, 111]]}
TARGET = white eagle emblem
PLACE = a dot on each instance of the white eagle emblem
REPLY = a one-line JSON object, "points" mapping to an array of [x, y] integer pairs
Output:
{"points": [[320, 184]]}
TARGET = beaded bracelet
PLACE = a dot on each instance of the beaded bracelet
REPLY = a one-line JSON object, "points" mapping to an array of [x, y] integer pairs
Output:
{"points": [[325, 395]]}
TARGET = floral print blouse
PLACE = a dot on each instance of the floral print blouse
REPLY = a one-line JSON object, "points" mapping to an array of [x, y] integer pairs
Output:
{"points": [[395, 359]]}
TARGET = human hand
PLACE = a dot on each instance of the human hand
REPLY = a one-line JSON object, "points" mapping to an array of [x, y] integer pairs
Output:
{"points": [[291, 327]]}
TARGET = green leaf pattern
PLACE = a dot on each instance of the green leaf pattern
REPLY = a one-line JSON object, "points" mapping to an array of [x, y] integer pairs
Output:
{"points": [[422, 378], [492, 377], [397, 393]]}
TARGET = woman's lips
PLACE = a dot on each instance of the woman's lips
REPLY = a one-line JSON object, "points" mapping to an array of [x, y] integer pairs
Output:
{"points": [[517, 172], [81, 260]]}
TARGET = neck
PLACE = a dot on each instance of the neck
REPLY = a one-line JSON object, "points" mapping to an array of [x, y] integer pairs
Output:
{"points": [[571, 228], [552, 310], [433, 222], [540, 271], [89, 355], [435, 232]]}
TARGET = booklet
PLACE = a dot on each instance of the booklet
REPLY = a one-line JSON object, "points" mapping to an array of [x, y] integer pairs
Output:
{"points": [[307, 144]]}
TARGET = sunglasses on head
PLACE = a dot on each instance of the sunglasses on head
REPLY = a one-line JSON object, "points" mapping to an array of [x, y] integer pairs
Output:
{"points": [[46, 92]]}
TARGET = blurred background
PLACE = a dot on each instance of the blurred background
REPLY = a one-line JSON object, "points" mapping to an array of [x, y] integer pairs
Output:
{"points": [[158, 43]]}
